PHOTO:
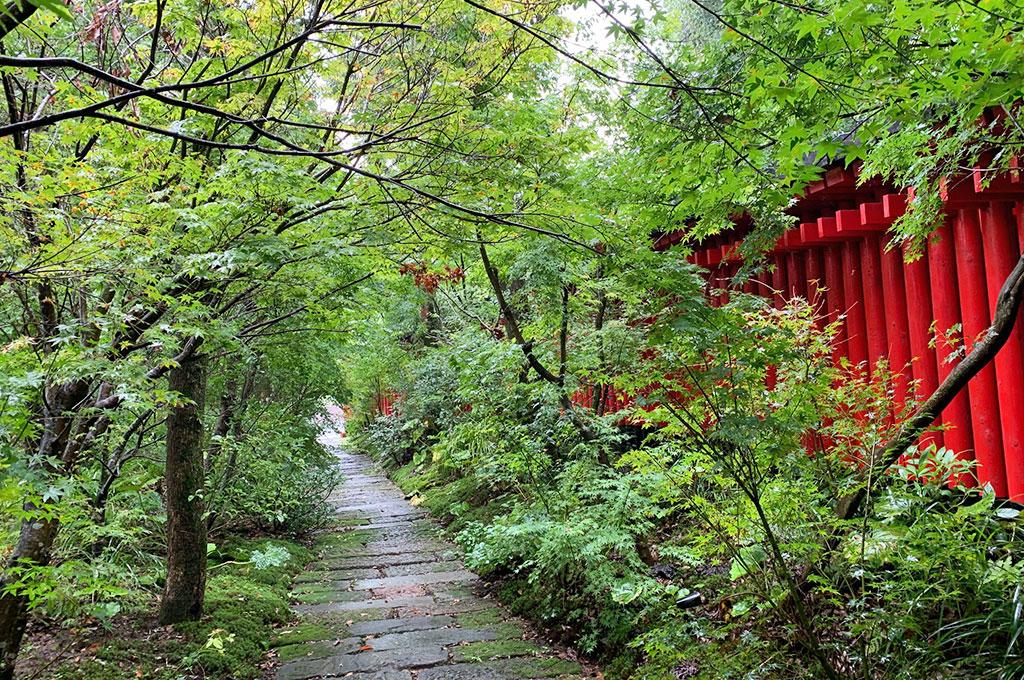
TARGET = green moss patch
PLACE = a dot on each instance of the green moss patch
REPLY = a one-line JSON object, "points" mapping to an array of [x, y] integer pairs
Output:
{"points": [[310, 631], [307, 650], [478, 619], [343, 522], [339, 543], [325, 595], [243, 604], [495, 649], [126, 658], [245, 598]]}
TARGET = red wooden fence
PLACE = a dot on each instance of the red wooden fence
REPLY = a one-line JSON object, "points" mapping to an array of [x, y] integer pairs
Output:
{"points": [[916, 315]]}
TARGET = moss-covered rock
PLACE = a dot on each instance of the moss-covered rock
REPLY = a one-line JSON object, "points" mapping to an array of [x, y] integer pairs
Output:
{"points": [[308, 631], [495, 649], [309, 650]]}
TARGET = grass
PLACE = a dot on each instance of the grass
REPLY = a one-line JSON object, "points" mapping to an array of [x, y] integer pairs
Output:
{"points": [[495, 649]]}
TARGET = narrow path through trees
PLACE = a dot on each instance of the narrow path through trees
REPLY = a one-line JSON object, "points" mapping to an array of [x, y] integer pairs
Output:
{"points": [[388, 600]]}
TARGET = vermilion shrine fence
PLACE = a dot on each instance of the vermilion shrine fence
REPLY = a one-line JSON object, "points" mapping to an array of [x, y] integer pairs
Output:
{"points": [[915, 315]]}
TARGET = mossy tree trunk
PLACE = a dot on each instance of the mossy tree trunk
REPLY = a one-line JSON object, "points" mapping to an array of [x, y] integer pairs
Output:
{"points": [[186, 527]]}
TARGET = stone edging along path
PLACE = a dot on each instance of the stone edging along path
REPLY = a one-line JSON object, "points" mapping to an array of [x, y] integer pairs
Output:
{"points": [[388, 600]]}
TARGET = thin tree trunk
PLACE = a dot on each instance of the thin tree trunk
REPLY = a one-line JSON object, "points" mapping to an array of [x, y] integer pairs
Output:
{"points": [[602, 309], [230, 420], [223, 426], [33, 548], [186, 528], [37, 535], [563, 335]]}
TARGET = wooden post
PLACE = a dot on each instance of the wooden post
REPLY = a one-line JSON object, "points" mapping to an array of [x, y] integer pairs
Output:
{"points": [[1001, 251], [984, 397]]}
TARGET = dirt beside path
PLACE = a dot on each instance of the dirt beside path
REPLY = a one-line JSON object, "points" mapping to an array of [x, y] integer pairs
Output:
{"points": [[389, 600]]}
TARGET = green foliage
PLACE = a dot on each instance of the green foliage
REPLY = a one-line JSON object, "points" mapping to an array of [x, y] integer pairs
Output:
{"points": [[318, 216], [699, 547], [281, 478], [243, 604], [247, 596]]}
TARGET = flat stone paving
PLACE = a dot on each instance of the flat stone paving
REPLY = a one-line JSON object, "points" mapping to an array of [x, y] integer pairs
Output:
{"points": [[387, 599]]}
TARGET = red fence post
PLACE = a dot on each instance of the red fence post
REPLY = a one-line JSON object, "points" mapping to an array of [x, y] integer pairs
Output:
{"points": [[779, 281], [924, 366], [853, 295], [999, 234], [815, 281], [985, 422], [796, 275], [835, 299], [874, 307], [894, 300]]}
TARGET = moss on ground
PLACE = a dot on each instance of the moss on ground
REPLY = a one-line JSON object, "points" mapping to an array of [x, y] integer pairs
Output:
{"points": [[340, 543], [126, 658], [456, 501], [482, 617], [326, 595], [495, 649], [344, 522], [310, 650], [548, 668], [243, 604], [307, 631], [408, 478]]}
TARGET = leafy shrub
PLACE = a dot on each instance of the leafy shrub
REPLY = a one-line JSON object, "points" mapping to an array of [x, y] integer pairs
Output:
{"points": [[277, 480]]}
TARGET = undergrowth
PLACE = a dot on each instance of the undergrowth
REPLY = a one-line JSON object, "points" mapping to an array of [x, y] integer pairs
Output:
{"points": [[246, 597], [707, 546]]}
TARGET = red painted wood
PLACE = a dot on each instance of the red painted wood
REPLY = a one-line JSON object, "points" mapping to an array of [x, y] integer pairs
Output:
{"points": [[835, 299], [1001, 251], [984, 396], [720, 282], [919, 321], [890, 306], [815, 280], [778, 281], [853, 294], [897, 331], [796, 275], [1019, 212], [874, 307]]}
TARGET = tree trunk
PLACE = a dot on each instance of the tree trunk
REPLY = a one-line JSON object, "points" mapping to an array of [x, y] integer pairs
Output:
{"points": [[186, 528], [37, 535], [33, 548], [223, 426]]}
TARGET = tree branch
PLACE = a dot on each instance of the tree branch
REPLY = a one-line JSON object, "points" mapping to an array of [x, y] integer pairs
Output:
{"points": [[513, 323], [14, 14]]}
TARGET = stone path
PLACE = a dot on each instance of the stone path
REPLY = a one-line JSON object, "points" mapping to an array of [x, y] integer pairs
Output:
{"points": [[389, 600]]}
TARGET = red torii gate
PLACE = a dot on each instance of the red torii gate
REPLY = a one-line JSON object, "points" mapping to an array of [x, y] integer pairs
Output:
{"points": [[909, 313]]}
